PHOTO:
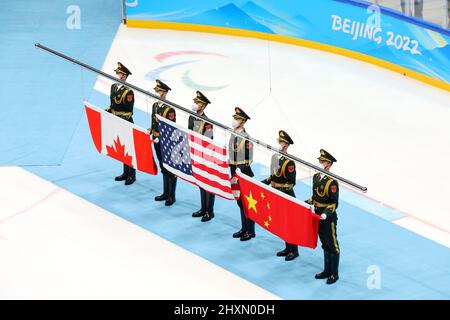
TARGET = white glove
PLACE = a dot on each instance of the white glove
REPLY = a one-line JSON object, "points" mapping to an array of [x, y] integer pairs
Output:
{"points": [[323, 216], [156, 140]]}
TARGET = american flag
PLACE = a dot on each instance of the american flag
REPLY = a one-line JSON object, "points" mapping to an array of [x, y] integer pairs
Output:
{"points": [[195, 158]]}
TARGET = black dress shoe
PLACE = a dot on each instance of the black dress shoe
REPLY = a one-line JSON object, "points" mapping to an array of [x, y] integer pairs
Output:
{"points": [[247, 236], [122, 177], [291, 256], [198, 214], [332, 279], [161, 197], [207, 216], [282, 253], [238, 234], [169, 202], [129, 181], [322, 275]]}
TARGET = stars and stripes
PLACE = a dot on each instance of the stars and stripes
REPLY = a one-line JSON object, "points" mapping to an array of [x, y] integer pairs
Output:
{"points": [[195, 158]]}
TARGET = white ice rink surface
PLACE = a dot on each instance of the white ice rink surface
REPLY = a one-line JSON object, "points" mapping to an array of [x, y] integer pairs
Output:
{"points": [[388, 132], [55, 245]]}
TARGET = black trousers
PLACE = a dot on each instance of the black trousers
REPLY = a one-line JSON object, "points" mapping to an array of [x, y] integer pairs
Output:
{"points": [[328, 234], [291, 247], [248, 225], [169, 179], [207, 201], [129, 172], [330, 245]]}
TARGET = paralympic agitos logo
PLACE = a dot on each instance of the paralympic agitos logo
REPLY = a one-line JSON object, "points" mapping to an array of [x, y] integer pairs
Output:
{"points": [[154, 74]]}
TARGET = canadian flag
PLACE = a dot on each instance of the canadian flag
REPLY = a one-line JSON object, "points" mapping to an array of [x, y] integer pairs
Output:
{"points": [[121, 140]]}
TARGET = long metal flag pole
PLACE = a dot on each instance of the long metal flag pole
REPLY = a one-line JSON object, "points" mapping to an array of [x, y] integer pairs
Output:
{"points": [[124, 12], [258, 142]]}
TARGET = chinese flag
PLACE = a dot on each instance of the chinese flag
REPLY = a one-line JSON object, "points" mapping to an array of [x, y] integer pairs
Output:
{"points": [[286, 217]]}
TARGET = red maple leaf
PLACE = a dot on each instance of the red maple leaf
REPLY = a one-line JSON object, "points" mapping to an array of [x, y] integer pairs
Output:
{"points": [[118, 152]]}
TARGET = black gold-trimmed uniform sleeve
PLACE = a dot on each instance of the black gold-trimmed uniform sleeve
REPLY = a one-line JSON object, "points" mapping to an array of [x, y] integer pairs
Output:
{"points": [[129, 101], [274, 165], [290, 172], [267, 180], [315, 178], [208, 130], [333, 196], [246, 168], [111, 97], [112, 92], [171, 115], [191, 122], [154, 121]]}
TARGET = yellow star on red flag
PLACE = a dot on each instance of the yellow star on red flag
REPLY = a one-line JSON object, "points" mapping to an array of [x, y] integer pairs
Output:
{"points": [[251, 202]]}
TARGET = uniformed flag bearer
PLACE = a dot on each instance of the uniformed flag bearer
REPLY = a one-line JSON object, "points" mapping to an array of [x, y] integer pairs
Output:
{"points": [[167, 112], [205, 128], [122, 103], [283, 178], [240, 153], [325, 200]]}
